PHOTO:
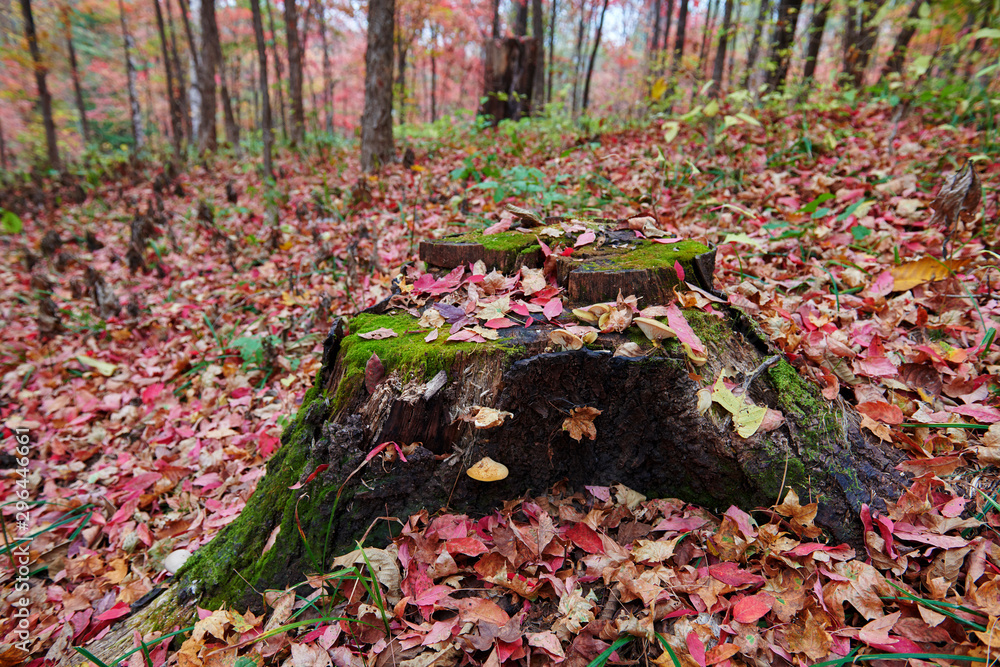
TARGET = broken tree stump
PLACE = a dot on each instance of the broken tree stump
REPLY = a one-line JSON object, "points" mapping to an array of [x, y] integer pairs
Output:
{"points": [[323, 489], [508, 78]]}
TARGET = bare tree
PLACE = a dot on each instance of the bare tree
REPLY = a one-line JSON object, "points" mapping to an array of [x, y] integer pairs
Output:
{"points": [[860, 33], [138, 136], [720, 51], [780, 51], [679, 39], [175, 108], [538, 32], [232, 129], [552, 51], [376, 122], [758, 29], [265, 114], [593, 56], [817, 25], [44, 98], [182, 99], [327, 70], [277, 71], [207, 137], [295, 73], [75, 72], [898, 56]]}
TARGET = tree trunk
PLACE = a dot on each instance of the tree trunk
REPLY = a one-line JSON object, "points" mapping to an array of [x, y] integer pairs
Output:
{"points": [[207, 136], [434, 42], [509, 76], [758, 29], [3, 148], [720, 52], [176, 130], [538, 32], [277, 72], [821, 12], [593, 56], [666, 34], [552, 51], [859, 38], [327, 71], [780, 51], [75, 73], [194, 60], [294, 73], [679, 39], [44, 98], [138, 135], [898, 56], [521, 20], [401, 48], [265, 114], [578, 57], [713, 8], [182, 98], [376, 123], [232, 129], [654, 44], [319, 485], [732, 50], [496, 19]]}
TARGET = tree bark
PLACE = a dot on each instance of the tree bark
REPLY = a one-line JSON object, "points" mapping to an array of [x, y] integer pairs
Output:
{"points": [[278, 82], [207, 136], [780, 51], [679, 39], [538, 32], [44, 98], [859, 38], [376, 122], [232, 129], [509, 76], [182, 98], [898, 56], [578, 56], [720, 51], [496, 19], [654, 45], [433, 54], [327, 70], [294, 73], [521, 20], [402, 46], [732, 50], [821, 12], [593, 56], [265, 103], [3, 149], [552, 51], [758, 29], [713, 8], [81, 109], [138, 135], [176, 130]]}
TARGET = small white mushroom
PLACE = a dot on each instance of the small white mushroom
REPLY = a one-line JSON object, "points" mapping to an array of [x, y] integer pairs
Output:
{"points": [[654, 329], [175, 560], [565, 340]]}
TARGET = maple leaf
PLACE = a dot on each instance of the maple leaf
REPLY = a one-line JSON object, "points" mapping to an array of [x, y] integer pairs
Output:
{"points": [[581, 423]]}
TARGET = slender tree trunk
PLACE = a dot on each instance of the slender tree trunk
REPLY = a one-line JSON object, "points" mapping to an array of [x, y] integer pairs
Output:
{"points": [[859, 38], [194, 91], [821, 12], [138, 136], [232, 130], [3, 147], [538, 32], [277, 72], [265, 116], [552, 51], [294, 73], [434, 41], [207, 136], [758, 29], [720, 51], [376, 122], [182, 99], [654, 44], [679, 39], [521, 22], [898, 56], [496, 19], [713, 7], [578, 56], [666, 34], [75, 73], [401, 48], [593, 56], [175, 109], [44, 98], [732, 50], [327, 70], [780, 51], [237, 93]]}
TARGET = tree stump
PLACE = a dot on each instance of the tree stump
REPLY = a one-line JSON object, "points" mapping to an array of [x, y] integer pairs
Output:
{"points": [[509, 74], [321, 493]]}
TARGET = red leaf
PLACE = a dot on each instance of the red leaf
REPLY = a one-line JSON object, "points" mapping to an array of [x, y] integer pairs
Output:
{"points": [[374, 372], [119, 610], [584, 537], [882, 411], [679, 270], [320, 468], [696, 647], [553, 309], [751, 609], [585, 238]]}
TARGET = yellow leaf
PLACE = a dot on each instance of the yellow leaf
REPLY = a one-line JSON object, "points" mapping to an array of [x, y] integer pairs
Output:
{"points": [[659, 89], [286, 245], [102, 367], [747, 417], [670, 130], [417, 167], [711, 109], [924, 270]]}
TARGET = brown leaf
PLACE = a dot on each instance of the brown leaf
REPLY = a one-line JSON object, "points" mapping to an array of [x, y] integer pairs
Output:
{"points": [[581, 423], [958, 198]]}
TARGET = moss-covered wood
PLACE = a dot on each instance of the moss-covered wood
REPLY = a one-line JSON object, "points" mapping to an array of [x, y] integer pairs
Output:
{"points": [[320, 494]]}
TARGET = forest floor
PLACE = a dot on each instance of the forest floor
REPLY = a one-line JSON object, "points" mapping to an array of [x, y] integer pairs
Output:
{"points": [[153, 397]]}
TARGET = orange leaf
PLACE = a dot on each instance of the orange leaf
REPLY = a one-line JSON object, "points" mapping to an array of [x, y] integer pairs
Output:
{"points": [[924, 270]]}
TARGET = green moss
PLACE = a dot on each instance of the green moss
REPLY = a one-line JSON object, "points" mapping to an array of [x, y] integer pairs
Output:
{"points": [[650, 255], [795, 394], [709, 328], [502, 242]]}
